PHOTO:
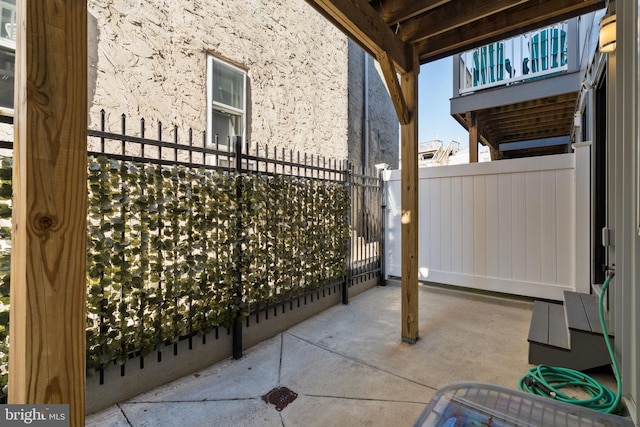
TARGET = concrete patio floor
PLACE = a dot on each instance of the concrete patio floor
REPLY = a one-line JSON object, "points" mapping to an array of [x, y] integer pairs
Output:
{"points": [[349, 366]]}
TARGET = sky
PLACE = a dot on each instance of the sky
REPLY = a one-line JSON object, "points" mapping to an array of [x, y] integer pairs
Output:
{"points": [[435, 88]]}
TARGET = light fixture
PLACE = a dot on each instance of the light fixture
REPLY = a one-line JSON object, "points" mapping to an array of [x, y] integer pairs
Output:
{"points": [[608, 34]]}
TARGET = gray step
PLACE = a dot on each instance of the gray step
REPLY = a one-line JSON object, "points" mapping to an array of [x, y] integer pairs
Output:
{"points": [[582, 313], [548, 325], [567, 334]]}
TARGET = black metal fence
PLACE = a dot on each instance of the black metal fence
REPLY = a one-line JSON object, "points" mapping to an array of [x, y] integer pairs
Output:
{"points": [[363, 261], [321, 269]]}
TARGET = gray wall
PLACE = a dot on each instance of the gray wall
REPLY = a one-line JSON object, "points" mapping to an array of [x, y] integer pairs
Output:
{"points": [[383, 126]]}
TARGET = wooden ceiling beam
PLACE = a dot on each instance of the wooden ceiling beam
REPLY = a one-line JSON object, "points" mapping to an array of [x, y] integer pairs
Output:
{"points": [[535, 134], [358, 20], [485, 134], [533, 104], [451, 16], [528, 126], [508, 23], [391, 78], [536, 151], [394, 11], [530, 114], [533, 121]]}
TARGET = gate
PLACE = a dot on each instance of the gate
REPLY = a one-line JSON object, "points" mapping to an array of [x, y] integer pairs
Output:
{"points": [[366, 261]]}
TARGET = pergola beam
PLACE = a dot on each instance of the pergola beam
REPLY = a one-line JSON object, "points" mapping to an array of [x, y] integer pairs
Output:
{"points": [[399, 10], [48, 258], [508, 23], [451, 16], [358, 20], [391, 78]]}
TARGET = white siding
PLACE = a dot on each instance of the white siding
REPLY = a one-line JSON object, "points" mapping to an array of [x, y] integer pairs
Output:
{"points": [[505, 226]]}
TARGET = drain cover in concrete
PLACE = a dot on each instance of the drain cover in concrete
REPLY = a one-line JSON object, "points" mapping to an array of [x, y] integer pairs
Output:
{"points": [[280, 397]]}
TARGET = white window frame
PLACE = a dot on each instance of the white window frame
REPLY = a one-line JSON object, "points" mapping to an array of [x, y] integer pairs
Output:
{"points": [[212, 63], [7, 45]]}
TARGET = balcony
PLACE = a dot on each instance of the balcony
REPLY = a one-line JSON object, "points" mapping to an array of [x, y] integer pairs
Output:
{"points": [[520, 93], [531, 56]]}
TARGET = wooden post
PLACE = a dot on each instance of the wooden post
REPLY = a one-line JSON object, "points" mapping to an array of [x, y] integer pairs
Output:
{"points": [[409, 196], [48, 259], [495, 154], [473, 138]]}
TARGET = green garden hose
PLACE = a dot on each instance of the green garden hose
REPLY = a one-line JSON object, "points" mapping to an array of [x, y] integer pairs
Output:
{"points": [[547, 381]]}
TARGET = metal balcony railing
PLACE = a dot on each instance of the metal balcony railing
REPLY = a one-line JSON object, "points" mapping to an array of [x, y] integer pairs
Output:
{"points": [[536, 54]]}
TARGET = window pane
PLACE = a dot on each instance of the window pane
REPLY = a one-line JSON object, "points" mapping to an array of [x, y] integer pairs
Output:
{"points": [[7, 68], [8, 20], [228, 86], [225, 126]]}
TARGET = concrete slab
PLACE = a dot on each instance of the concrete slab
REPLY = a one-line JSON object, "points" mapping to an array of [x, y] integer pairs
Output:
{"points": [[317, 374], [349, 366], [335, 412], [110, 417], [463, 336], [248, 378], [246, 412]]}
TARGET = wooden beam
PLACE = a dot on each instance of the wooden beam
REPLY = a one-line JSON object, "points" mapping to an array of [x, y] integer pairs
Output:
{"points": [[391, 78], [409, 203], [358, 20], [494, 153], [473, 137], [48, 260], [393, 11], [451, 16], [509, 23]]}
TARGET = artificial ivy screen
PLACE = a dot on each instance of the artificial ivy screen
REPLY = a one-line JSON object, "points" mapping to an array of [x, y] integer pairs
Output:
{"points": [[173, 251]]}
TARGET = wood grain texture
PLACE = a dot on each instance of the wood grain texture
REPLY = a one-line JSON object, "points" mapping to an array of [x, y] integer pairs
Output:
{"points": [[409, 196], [48, 263]]}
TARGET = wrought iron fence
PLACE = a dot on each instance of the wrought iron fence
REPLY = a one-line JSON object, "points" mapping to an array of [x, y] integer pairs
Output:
{"points": [[185, 239]]}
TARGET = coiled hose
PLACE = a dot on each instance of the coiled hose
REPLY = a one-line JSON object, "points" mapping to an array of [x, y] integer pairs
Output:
{"points": [[547, 381]]}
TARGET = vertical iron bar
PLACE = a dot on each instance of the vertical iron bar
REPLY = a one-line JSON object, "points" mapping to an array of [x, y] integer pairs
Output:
{"points": [[347, 281], [237, 323], [123, 131], [190, 147], [102, 129], [291, 162], [175, 141], [383, 227], [204, 155], [159, 139], [142, 136]]}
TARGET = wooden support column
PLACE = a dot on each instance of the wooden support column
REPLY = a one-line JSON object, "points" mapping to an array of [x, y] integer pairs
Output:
{"points": [[473, 137], [48, 259], [495, 154], [409, 195]]}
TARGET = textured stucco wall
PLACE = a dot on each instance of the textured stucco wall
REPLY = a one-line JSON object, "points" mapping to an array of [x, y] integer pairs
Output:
{"points": [[384, 129], [148, 59]]}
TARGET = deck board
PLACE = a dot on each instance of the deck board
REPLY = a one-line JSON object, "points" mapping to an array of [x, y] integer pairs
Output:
{"points": [[590, 303], [558, 332], [576, 315], [539, 327]]}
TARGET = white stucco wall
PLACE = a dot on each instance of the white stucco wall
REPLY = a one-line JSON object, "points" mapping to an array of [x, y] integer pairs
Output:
{"points": [[148, 59]]}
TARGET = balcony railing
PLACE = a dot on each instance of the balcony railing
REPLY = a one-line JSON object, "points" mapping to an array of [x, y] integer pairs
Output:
{"points": [[526, 57]]}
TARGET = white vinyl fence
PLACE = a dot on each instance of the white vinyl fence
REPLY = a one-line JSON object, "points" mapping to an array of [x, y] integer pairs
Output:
{"points": [[506, 226]]}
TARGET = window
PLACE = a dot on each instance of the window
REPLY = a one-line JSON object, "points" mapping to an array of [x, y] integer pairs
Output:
{"points": [[7, 54], [226, 89]]}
